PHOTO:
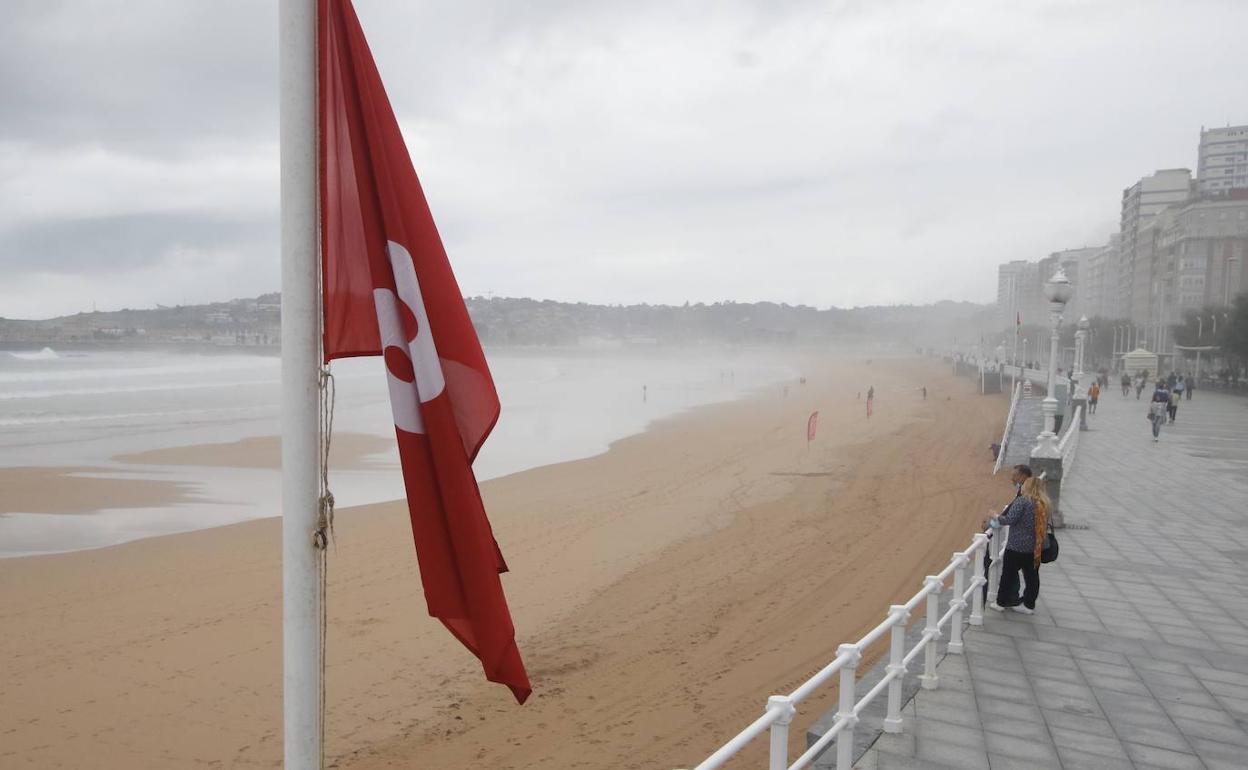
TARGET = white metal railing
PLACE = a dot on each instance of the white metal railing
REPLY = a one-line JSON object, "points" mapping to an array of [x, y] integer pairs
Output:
{"points": [[1009, 423], [996, 554], [781, 709], [1070, 442]]}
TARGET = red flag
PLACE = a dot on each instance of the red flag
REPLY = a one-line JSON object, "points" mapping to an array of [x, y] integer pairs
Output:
{"points": [[810, 426], [389, 291]]}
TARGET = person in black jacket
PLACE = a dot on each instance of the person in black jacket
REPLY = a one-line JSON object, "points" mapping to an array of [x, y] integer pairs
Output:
{"points": [[1028, 520], [1018, 476]]}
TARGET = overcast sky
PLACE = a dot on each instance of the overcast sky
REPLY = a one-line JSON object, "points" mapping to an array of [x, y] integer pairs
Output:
{"points": [[826, 153]]}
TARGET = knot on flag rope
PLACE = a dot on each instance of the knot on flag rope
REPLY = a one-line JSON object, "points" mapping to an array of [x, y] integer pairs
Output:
{"points": [[325, 515]]}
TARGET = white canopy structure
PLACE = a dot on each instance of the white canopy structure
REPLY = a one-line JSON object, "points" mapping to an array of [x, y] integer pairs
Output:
{"points": [[1140, 360]]}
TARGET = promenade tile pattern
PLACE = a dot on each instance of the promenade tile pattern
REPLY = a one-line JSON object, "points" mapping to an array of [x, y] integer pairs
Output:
{"points": [[1137, 656]]}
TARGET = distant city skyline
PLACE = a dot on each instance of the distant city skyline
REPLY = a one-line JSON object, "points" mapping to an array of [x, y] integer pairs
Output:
{"points": [[862, 154], [1181, 248]]}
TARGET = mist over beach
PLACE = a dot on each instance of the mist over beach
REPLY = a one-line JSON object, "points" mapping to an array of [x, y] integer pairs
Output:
{"points": [[77, 419]]}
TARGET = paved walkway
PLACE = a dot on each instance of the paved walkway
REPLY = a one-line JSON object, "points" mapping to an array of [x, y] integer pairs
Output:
{"points": [[1137, 656], [1028, 422]]}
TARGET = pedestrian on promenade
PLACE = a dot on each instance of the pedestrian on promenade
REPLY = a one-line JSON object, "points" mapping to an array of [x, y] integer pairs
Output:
{"points": [[1189, 386], [1028, 520], [1180, 385], [1018, 476], [1094, 395], [1139, 386], [1126, 384], [1158, 408], [1172, 406]]}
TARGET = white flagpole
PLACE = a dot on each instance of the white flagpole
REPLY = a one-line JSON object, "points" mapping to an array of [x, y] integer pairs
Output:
{"points": [[301, 653]]}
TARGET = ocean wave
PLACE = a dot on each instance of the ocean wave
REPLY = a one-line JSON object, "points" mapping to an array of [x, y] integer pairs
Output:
{"points": [[208, 365], [125, 390], [47, 354], [56, 419]]}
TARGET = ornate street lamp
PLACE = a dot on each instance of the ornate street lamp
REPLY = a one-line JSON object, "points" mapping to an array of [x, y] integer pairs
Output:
{"points": [[1058, 291], [1081, 347]]}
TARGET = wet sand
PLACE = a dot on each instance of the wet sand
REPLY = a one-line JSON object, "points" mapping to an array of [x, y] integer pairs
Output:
{"points": [[82, 490], [347, 451], [88, 489], [661, 591]]}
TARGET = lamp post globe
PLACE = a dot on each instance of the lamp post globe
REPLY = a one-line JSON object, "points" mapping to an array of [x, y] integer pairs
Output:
{"points": [[1059, 288]]}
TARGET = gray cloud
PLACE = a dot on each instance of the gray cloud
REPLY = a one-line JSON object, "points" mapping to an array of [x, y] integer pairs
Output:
{"points": [[822, 153], [149, 75], [125, 241]]}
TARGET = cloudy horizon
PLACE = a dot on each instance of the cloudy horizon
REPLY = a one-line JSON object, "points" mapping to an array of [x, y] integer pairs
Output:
{"points": [[841, 154]]}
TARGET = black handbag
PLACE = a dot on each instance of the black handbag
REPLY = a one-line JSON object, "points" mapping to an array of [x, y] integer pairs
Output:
{"points": [[1049, 552]]}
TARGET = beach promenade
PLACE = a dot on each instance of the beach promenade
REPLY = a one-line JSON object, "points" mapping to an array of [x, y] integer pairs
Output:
{"points": [[1137, 656]]}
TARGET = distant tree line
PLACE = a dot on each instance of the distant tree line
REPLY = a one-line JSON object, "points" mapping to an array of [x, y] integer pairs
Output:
{"points": [[512, 321]]}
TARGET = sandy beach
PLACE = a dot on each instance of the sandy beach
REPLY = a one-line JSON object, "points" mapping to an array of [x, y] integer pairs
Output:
{"points": [[660, 591], [82, 490]]}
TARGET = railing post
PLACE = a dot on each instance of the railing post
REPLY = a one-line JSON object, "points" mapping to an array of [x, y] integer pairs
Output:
{"points": [[780, 731], [958, 604], [996, 547], [977, 598], [845, 713], [896, 655], [928, 678]]}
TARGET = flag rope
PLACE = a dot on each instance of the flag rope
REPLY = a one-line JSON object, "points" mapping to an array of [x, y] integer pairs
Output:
{"points": [[324, 533]]}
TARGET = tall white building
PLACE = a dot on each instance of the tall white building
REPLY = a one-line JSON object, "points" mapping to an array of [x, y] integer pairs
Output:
{"points": [[1099, 276], [1017, 285], [1204, 247], [1222, 163], [1020, 285], [1140, 203]]}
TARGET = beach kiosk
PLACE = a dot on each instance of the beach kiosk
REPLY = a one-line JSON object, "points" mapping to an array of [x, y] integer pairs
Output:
{"points": [[1139, 360]]}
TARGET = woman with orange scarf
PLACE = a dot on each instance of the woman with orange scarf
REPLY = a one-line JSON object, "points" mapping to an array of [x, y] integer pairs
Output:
{"points": [[1028, 520]]}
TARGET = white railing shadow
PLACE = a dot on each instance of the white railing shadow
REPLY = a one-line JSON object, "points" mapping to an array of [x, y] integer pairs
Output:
{"points": [[781, 709]]}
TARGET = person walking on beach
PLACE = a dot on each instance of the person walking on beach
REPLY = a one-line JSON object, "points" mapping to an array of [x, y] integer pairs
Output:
{"points": [[870, 401], [1157, 408], [924, 392], [1028, 520], [1094, 395]]}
